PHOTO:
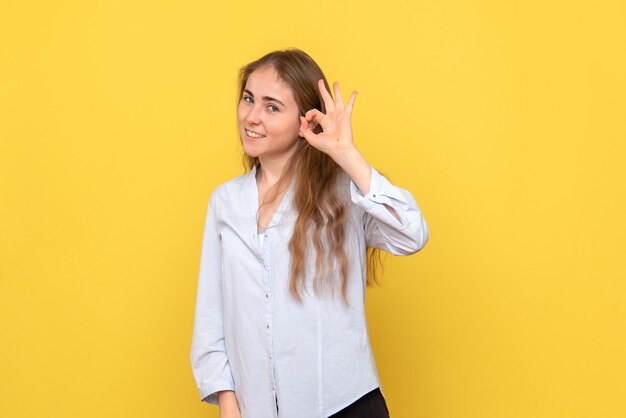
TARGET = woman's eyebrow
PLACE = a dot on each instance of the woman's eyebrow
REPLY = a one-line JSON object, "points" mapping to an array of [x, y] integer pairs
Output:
{"points": [[266, 98]]}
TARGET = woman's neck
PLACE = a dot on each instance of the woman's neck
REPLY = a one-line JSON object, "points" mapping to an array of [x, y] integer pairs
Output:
{"points": [[271, 168]]}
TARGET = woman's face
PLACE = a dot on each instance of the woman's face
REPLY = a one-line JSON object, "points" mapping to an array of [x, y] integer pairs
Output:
{"points": [[268, 116]]}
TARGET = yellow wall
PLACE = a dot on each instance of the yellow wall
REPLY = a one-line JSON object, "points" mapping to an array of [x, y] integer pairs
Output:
{"points": [[506, 121]]}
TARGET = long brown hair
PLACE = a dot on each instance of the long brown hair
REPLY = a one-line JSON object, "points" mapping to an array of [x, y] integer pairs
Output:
{"points": [[316, 199]]}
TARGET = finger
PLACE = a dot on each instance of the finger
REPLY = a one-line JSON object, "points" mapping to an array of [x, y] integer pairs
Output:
{"points": [[309, 123], [351, 101], [328, 100], [304, 126], [305, 130], [316, 116], [338, 97]]}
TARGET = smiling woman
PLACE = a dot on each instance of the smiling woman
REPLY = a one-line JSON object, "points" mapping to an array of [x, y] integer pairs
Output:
{"points": [[273, 117], [288, 250]]}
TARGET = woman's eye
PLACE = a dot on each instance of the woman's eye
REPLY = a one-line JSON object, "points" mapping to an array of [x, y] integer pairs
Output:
{"points": [[245, 99], [272, 108]]}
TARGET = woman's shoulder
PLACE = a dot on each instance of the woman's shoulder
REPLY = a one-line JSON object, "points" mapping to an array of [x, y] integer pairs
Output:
{"points": [[229, 188], [236, 183]]}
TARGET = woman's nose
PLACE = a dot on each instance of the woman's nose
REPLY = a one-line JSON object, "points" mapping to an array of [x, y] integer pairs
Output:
{"points": [[253, 115]]}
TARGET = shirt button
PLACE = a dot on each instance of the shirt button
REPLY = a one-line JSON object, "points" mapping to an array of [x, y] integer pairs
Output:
{"points": [[267, 325], [267, 295], [374, 195]]}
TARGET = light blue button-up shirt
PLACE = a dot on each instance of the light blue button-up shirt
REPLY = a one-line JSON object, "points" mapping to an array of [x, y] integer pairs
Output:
{"points": [[280, 357]]}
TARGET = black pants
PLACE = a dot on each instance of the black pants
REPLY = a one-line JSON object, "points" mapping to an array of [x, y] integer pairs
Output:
{"points": [[371, 405]]}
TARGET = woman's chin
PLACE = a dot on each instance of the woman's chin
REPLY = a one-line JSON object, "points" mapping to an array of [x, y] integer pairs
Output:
{"points": [[251, 151]]}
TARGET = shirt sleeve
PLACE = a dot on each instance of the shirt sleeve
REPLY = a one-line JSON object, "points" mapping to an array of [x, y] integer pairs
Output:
{"points": [[208, 355], [382, 229]]}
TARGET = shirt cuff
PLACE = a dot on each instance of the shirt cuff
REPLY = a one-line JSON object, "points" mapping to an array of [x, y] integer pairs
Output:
{"points": [[381, 191], [208, 393]]}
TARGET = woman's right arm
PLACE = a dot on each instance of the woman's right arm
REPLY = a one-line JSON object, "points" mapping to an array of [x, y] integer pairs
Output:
{"points": [[209, 362], [228, 404]]}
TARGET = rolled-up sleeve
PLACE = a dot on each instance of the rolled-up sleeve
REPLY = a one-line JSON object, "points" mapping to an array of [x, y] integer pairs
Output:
{"points": [[209, 362], [382, 229]]}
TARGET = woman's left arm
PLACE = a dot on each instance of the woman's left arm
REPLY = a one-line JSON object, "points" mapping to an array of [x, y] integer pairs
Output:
{"points": [[392, 220]]}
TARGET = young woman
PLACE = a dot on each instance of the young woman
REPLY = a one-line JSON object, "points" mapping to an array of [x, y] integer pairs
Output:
{"points": [[280, 324]]}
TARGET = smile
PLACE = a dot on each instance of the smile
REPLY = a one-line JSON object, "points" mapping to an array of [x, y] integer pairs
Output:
{"points": [[254, 134]]}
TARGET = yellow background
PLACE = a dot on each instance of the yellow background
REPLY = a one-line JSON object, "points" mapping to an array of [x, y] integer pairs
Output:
{"points": [[505, 120]]}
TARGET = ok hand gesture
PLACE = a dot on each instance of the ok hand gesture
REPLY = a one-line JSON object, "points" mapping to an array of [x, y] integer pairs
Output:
{"points": [[337, 131]]}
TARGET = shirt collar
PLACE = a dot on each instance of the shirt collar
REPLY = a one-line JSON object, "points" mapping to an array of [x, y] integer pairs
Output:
{"points": [[285, 204]]}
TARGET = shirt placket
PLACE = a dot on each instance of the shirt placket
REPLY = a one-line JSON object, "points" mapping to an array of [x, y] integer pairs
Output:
{"points": [[269, 325]]}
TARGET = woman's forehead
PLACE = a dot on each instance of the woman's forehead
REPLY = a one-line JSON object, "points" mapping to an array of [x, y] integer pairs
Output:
{"points": [[265, 82]]}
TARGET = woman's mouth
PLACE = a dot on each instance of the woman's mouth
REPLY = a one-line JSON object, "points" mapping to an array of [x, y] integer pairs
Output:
{"points": [[253, 134]]}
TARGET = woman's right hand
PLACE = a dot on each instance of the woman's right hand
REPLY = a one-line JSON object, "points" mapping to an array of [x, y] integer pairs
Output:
{"points": [[228, 404]]}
